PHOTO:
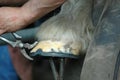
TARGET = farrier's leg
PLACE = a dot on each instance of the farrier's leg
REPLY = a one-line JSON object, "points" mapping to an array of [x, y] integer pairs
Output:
{"points": [[102, 54], [22, 66]]}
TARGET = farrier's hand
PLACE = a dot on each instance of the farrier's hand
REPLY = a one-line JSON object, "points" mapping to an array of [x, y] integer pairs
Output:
{"points": [[11, 19], [15, 18]]}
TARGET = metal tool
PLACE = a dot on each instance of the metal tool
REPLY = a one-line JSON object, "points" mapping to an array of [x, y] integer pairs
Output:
{"points": [[57, 75], [18, 43]]}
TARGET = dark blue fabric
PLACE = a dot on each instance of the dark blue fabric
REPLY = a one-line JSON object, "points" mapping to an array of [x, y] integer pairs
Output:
{"points": [[7, 71]]}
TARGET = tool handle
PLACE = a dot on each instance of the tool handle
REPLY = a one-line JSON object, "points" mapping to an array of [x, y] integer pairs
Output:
{"points": [[28, 35]]}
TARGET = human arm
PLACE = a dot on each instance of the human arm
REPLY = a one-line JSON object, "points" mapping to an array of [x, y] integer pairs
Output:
{"points": [[15, 18], [41, 8]]}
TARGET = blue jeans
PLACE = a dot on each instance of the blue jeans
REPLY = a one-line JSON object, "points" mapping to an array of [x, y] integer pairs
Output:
{"points": [[7, 71]]}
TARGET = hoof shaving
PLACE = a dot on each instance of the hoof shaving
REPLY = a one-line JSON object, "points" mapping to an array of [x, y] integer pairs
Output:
{"points": [[54, 46]]}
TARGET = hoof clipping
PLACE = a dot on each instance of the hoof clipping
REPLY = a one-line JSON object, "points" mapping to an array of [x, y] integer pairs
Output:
{"points": [[54, 46]]}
